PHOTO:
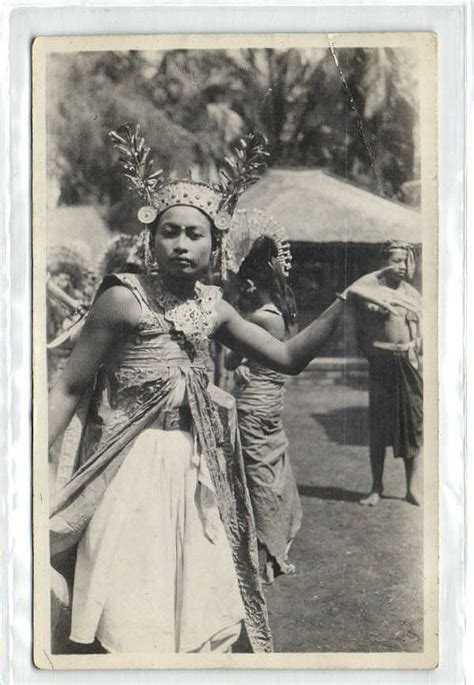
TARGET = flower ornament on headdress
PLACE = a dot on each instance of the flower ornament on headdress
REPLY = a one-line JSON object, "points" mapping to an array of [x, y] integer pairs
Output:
{"points": [[247, 226], [217, 201]]}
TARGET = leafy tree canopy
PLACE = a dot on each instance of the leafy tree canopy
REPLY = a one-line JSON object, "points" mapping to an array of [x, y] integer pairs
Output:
{"points": [[193, 104]]}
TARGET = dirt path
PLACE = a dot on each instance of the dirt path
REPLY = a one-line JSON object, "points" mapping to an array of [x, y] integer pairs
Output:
{"points": [[359, 570]]}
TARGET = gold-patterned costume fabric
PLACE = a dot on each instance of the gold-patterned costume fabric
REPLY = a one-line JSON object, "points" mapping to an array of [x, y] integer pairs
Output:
{"points": [[164, 358]]}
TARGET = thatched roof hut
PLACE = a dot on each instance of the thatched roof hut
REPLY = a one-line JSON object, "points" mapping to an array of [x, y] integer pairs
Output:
{"points": [[318, 208]]}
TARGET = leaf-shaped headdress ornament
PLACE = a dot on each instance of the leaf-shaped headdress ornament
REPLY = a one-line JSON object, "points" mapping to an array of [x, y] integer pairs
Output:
{"points": [[136, 161], [243, 169], [218, 201]]}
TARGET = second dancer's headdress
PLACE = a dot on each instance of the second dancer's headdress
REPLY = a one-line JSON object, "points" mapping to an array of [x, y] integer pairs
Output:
{"points": [[247, 226], [122, 254]]}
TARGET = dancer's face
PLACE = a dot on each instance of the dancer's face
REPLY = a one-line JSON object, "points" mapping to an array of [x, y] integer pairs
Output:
{"points": [[183, 242], [397, 259], [63, 280]]}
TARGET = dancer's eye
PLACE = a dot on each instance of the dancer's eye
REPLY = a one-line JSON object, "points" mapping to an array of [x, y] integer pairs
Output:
{"points": [[196, 234], [168, 231]]}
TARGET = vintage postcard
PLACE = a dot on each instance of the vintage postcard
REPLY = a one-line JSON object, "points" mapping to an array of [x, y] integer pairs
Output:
{"points": [[235, 351]]}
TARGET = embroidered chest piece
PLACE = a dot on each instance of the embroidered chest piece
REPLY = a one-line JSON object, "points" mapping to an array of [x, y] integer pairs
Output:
{"points": [[195, 318]]}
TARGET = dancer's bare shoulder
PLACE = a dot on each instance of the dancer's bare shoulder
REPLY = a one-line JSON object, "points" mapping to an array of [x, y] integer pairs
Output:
{"points": [[116, 307], [268, 320]]}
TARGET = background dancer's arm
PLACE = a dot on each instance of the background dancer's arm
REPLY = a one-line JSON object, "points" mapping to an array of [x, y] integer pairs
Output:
{"points": [[233, 360], [237, 363], [115, 312]]}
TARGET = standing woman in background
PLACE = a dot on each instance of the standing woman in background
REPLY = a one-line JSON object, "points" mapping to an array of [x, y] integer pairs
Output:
{"points": [[265, 299]]}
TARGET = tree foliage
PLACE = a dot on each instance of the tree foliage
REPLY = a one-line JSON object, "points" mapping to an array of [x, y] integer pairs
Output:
{"points": [[194, 104]]}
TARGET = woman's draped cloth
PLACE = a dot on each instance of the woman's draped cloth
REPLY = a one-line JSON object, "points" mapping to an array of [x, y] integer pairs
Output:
{"points": [[272, 485], [168, 347]]}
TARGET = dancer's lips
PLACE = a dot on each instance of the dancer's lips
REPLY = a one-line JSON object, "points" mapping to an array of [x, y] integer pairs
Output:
{"points": [[182, 261]]}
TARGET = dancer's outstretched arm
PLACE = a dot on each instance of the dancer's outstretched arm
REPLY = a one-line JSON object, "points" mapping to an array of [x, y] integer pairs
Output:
{"points": [[292, 356], [373, 289]]}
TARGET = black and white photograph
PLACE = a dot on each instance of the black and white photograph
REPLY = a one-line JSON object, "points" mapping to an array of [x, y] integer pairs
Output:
{"points": [[235, 344]]}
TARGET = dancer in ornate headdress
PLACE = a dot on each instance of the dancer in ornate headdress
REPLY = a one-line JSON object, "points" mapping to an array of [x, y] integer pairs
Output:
{"points": [[71, 282], [157, 503], [393, 345], [70, 285], [122, 255], [260, 255]]}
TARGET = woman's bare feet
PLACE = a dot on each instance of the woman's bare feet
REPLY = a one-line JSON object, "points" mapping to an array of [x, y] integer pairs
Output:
{"points": [[411, 498], [288, 569], [269, 574], [371, 500]]}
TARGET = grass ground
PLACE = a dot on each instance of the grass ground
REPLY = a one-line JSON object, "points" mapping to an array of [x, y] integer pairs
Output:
{"points": [[359, 579]]}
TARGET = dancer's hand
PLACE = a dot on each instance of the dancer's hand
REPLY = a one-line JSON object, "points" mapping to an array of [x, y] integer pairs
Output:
{"points": [[373, 289], [242, 375], [60, 598], [374, 307], [59, 588]]}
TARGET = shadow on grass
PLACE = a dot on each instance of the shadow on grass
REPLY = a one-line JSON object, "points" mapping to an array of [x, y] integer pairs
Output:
{"points": [[339, 494], [348, 426], [330, 492]]}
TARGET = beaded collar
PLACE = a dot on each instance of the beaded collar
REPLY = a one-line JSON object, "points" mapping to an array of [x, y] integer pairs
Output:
{"points": [[195, 317]]}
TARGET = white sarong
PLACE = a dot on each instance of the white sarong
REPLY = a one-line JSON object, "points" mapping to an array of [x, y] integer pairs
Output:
{"points": [[148, 578]]}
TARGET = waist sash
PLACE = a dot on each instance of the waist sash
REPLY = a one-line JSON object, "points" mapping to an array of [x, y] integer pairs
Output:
{"points": [[410, 348]]}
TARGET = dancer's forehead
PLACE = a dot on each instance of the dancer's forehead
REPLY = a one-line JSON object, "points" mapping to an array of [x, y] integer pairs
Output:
{"points": [[397, 253], [184, 215]]}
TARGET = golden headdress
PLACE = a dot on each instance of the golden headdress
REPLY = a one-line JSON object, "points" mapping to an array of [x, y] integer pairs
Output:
{"points": [[123, 253], [217, 201], [248, 225], [74, 259]]}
